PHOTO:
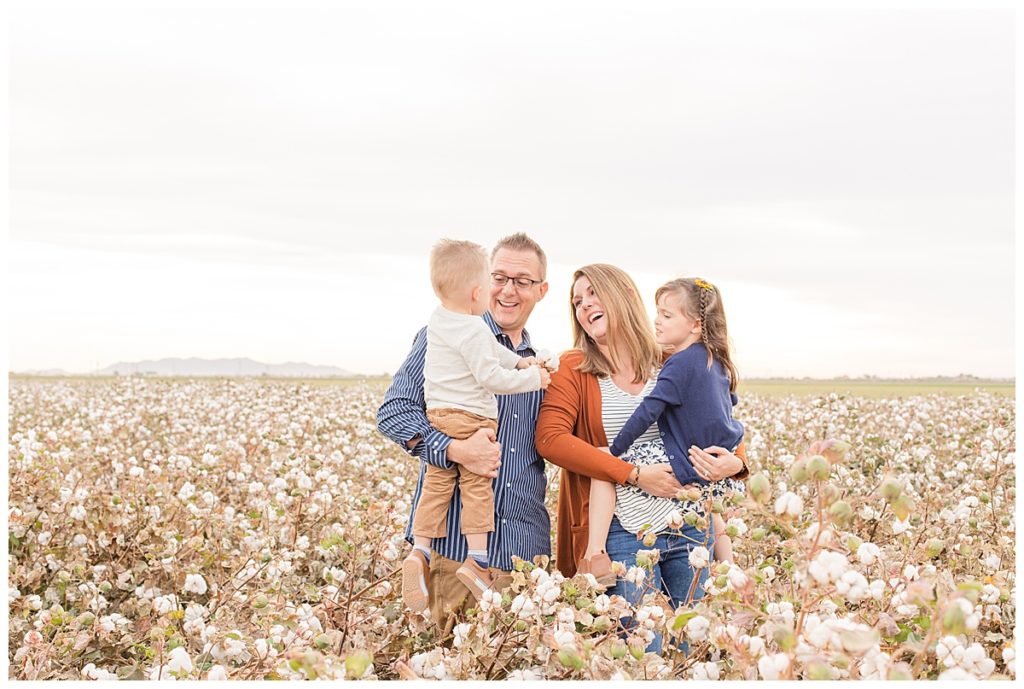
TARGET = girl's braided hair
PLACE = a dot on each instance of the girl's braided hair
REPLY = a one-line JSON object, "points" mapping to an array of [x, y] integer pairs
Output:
{"points": [[699, 293]]}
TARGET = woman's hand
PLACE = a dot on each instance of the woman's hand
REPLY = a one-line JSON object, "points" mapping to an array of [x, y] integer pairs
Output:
{"points": [[658, 480], [714, 463]]}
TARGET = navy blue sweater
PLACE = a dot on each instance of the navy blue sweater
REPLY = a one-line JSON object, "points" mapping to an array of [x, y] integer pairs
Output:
{"points": [[693, 406]]}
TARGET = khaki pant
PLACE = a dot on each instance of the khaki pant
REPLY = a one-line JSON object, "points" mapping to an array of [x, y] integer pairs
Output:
{"points": [[448, 596], [431, 518]]}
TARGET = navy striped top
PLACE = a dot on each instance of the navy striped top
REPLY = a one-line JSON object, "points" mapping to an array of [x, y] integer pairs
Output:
{"points": [[522, 526]]}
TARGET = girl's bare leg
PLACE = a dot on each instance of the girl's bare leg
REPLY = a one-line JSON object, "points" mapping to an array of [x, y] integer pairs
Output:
{"points": [[602, 509], [723, 544]]}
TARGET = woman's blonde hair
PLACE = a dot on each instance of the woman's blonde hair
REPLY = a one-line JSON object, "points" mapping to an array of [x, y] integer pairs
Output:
{"points": [[702, 301], [629, 328]]}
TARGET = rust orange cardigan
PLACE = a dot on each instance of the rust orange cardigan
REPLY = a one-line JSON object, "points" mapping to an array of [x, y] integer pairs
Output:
{"points": [[569, 431]]}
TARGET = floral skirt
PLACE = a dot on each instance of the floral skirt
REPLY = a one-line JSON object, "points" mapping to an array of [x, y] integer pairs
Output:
{"points": [[637, 509]]}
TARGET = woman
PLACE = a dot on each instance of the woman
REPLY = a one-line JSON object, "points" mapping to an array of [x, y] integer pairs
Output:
{"points": [[597, 387]]}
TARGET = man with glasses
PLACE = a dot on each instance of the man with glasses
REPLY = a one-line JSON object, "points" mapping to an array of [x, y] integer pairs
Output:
{"points": [[522, 526]]}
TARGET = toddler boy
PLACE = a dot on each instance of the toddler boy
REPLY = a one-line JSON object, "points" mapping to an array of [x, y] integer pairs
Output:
{"points": [[465, 366]]}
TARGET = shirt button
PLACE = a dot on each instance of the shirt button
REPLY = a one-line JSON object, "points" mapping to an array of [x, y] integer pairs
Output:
{"points": [[512, 449], [508, 485], [504, 521], [671, 456], [515, 416]]}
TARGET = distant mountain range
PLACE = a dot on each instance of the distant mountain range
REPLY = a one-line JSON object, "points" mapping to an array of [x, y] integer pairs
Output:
{"points": [[221, 367]]}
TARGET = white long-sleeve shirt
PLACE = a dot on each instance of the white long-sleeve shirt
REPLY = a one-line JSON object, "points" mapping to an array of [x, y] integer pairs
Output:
{"points": [[465, 366]]}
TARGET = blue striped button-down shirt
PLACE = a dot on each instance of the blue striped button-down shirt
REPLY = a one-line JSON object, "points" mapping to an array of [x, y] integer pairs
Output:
{"points": [[522, 526]]}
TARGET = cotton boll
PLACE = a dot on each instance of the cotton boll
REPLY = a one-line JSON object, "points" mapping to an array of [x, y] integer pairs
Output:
{"points": [[868, 553], [699, 557], [772, 666]]}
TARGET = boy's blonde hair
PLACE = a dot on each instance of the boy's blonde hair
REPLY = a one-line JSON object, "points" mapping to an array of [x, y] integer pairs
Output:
{"points": [[629, 329], [454, 264]]}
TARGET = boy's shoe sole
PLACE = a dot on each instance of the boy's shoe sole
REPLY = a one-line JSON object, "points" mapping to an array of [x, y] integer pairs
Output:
{"points": [[414, 582]]}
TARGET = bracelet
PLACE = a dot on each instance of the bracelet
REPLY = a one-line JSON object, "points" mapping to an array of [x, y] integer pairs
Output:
{"points": [[634, 477]]}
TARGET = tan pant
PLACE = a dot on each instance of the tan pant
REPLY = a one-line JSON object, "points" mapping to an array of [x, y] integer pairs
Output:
{"points": [[448, 596], [431, 517]]}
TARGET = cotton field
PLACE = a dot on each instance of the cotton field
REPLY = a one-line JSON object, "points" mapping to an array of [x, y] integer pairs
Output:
{"points": [[253, 530]]}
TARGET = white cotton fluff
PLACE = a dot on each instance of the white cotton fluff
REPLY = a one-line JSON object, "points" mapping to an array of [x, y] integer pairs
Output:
{"points": [[697, 628], [828, 567], [216, 673], [738, 579], [195, 583], [772, 666], [699, 557], [977, 662], [868, 553], [706, 671], [789, 504], [853, 585], [90, 671]]}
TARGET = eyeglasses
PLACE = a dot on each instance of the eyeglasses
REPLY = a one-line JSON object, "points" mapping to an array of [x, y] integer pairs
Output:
{"points": [[500, 280]]}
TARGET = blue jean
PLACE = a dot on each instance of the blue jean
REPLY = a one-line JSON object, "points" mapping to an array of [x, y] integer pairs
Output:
{"points": [[672, 573]]}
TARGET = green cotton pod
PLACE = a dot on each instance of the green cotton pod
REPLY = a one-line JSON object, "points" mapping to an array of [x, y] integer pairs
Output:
{"points": [[954, 621], [840, 512], [758, 534], [618, 649], [784, 637], [798, 471], [835, 450], [357, 663], [819, 671], [891, 489], [934, 547], [818, 468], [570, 658], [900, 672], [902, 507]]}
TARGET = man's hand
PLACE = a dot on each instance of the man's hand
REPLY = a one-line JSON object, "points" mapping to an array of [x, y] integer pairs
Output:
{"points": [[658, 480], [526, 362], [714, 463], [479, 453]]}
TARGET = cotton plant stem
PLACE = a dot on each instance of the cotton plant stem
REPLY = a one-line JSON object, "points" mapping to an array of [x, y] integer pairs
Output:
{"points": [[810, 556]]}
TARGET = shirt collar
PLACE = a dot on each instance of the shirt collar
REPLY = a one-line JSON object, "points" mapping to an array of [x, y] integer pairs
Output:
{"points": [[498, 332]]}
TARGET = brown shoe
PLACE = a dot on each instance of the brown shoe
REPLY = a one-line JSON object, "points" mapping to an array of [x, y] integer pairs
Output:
{"points": [[600, 566], [415, 574], [477, 579]]}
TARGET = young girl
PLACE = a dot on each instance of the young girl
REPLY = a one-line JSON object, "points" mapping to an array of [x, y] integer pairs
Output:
{"points": [[692, 402]]}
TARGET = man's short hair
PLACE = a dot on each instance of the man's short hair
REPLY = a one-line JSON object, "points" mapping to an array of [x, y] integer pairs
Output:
{"points": [[455, 264], [520, 241]]}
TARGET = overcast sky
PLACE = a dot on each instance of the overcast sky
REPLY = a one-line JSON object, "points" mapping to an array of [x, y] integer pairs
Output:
{"points": [[268, 183]]}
